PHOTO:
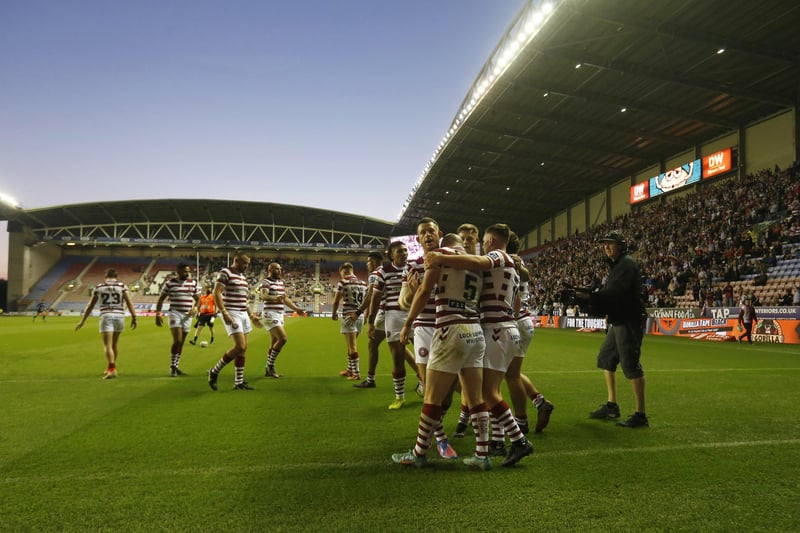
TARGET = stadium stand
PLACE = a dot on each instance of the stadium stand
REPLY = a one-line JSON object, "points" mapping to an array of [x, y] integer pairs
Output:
{"points": [[743, 231]]}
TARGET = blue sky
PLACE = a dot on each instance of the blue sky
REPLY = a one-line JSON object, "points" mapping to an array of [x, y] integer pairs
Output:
{"points": [[335, 105]]}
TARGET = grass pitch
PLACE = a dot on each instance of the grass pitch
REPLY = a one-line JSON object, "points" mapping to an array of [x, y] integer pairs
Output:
{"points": [[146, 452]]}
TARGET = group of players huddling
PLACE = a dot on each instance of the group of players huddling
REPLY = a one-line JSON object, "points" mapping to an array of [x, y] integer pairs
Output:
{"points": [[465, 314]]}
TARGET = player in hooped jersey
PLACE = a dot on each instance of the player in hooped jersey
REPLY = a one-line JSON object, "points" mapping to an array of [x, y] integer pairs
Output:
{"points": [[350, 293], [374, 261], [497, 303], [520, 386], [428, 236], [182, 292], [112, 295], [390, 280], [231, 291], [273, 294], [457, 350]]}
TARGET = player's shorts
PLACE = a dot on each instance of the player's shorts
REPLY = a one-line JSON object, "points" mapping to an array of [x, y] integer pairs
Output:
{"points": [[112, 323], [351, 326], [205, 320], [380, 320], [240, 323], [622, 346], [395, 320], [525, 326], [502, 346], [179, 319], [272, 319], [457, 346], [423, 337]]}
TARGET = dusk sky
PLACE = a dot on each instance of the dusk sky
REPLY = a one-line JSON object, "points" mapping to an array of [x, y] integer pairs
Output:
{"points": [[334, 105]]}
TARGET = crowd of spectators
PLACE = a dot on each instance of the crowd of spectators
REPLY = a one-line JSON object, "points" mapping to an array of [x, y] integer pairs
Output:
{"points": [[695, 243]]}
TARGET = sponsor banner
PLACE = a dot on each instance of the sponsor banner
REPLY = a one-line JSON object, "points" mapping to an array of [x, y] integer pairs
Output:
{"points": [[773, 330], [781, 312], [569, 322], [717, 163], [640, 192], [675, 179], [673, 312]]}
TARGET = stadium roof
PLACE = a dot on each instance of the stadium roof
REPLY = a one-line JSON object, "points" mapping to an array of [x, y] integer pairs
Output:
{"points": [[551, 130], [202, 223], [548, 131]]}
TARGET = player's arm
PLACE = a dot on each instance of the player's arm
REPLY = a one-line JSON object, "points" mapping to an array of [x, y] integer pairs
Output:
{"points": [[374, 305], [408, 289], [460, 261], [218, 289], [336, 301], [288, 301], [421, 297], [87, 312], [126, 295], [524, 273], [159, 304]]}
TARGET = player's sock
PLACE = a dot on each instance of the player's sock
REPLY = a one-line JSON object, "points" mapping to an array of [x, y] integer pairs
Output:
{"points": [[272, 356], [497, 430], [463, 416], [399, 385], [506, 420], [224, 360], [175, 359], [479, 417], [428, 419], [538, 399], [238, 366]]}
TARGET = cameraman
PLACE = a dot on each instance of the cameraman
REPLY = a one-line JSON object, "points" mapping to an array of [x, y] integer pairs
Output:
{"points": [[621, 301]]}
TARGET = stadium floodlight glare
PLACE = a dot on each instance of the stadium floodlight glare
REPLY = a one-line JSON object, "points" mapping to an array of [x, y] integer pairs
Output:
{"points": [[533, 16], [9, 200]]}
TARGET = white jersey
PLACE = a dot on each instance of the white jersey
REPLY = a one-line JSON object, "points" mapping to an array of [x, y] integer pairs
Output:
{"points": [[181, 294], [389, 282], [352, 292], [273, 287], [111, 297], [234, 296], [457, 294], [500, 286]]}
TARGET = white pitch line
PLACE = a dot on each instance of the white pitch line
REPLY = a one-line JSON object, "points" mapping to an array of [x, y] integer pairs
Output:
{"points": [[306, 466]]}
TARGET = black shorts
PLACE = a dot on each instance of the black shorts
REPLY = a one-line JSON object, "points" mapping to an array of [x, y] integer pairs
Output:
{"points": [[623, 346], [205, 320]]}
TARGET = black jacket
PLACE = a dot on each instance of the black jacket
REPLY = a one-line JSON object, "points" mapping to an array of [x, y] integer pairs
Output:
{"points": [[621, 298]]}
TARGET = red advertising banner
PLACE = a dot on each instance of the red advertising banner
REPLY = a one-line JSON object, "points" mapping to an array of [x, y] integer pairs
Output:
{"points": [[640, 192], [717, 163]]}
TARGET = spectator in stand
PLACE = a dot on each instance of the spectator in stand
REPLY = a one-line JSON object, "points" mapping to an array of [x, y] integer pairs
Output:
{"points": [[727, 295], [787, 298]]}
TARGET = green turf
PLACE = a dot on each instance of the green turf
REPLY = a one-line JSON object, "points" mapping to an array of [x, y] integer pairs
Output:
{"points": [[310, 453]]}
